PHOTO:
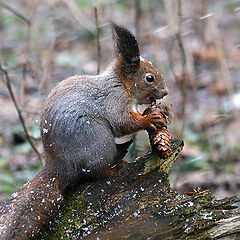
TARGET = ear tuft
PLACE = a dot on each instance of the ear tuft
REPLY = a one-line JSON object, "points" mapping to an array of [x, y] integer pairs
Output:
{"points": [[127, 45]]}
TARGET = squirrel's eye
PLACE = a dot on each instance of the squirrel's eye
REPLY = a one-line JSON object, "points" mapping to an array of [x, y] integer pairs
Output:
{"points": [[149, 79]]}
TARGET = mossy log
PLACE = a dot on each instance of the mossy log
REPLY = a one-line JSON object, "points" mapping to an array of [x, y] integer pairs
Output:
{"points": [[137, 202]]}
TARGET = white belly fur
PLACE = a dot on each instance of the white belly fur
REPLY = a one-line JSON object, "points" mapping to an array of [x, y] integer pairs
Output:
{"points": [[123, 139]]}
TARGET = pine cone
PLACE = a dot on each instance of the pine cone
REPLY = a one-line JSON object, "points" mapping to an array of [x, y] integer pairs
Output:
{"points": [[160, 139]]}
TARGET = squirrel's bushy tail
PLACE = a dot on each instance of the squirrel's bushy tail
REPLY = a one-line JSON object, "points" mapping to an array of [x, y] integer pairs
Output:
{"points": [[25, 214]]}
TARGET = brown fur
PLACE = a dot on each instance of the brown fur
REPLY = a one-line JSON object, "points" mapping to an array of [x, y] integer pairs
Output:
{"points": [[26, 213]]}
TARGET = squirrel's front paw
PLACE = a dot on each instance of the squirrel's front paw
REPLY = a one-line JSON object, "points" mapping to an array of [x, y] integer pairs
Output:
{"points": [[155, 118], [153, 121]]}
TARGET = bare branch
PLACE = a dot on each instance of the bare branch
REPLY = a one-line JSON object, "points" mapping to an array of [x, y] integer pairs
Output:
{"points": [[19, 15], [78, 16], [98, 43], [138, 13], [223, 62], [9, 87]]}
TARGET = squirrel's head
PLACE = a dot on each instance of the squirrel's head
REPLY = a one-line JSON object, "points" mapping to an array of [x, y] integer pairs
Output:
{"points": [[140, 78]]}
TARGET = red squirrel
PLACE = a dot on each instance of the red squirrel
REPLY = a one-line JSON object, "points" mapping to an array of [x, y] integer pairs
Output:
{"points": [[81, 123]]}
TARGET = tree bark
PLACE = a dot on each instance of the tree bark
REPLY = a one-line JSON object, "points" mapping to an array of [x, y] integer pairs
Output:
{"points": [[137, 203]]}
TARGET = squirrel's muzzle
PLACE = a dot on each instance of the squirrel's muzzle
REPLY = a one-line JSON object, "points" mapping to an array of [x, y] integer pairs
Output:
{"points": [[161, 93]]}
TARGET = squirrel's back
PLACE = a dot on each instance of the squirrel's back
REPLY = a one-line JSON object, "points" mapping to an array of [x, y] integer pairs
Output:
{"points": [[76, 125]]}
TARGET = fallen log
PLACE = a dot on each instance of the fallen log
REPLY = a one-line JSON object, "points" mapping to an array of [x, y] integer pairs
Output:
{"points": [[137, 202]]}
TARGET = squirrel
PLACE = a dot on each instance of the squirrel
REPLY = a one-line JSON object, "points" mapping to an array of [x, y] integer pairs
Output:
{"points": [[84, 124]]}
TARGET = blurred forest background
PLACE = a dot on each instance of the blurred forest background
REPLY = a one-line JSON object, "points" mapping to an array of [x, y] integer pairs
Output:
{"points": [[195, 44]]}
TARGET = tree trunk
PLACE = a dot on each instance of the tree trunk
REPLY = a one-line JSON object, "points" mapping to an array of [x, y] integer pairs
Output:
{"points": [[137, 202]]}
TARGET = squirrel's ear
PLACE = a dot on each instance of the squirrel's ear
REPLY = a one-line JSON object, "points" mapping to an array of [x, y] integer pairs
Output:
{"points": [[127, 45]]}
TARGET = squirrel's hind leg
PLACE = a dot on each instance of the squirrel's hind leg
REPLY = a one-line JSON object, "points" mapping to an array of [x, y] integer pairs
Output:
{"points": [[102, 152], [122, 150]]}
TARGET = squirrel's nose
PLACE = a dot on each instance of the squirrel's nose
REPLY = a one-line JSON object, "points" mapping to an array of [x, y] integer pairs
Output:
{"points": [[165, 92]]}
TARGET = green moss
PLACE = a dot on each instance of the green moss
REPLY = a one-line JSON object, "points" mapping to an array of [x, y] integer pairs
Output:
{"points": [[74, 219]]}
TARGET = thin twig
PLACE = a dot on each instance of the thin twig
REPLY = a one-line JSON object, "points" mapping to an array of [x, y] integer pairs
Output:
{"points": [[169, 46], [47, 63], [184, 63], [182, 80], [171, 17], [27, 63], [10, 9], [9, 87], [98, 43], [138, 13], [223, 62], [78, 15], [204, 9]]}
